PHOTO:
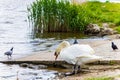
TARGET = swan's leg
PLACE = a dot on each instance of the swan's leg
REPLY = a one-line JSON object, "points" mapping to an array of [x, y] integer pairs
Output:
{"points": [[74, 69], [73, 72], [79, 69]]}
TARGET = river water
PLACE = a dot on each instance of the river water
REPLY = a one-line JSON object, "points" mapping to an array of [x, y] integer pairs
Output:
{"points": [[15, 32]]}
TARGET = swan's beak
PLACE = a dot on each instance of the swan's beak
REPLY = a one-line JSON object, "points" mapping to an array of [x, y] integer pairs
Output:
{"points": [[56, 55]]}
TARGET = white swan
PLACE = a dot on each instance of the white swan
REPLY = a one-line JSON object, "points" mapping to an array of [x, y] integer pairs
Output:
{"points": [[76, 54]]}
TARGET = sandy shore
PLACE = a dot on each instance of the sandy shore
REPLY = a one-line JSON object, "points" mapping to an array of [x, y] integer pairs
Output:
{"points": [[102, 48]]}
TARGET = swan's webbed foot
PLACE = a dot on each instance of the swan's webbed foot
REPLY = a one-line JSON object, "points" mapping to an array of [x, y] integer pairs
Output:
{"points": [[69, 73], [75, 71]]}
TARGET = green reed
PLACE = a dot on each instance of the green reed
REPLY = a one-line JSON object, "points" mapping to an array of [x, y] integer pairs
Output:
{"points": [[57, 16], [63, 16]]}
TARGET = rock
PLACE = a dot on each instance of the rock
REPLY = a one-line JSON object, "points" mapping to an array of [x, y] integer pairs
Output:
{"points": [[106, 31], [92, 29], [32, 66], [105, 25], [24, 65], [117, 36], [42, 66]]}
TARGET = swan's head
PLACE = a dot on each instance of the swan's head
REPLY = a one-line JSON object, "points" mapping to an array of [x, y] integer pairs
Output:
{"points": [[61, 46]]}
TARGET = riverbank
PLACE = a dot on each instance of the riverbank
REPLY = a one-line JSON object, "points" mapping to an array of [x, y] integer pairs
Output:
{"points": [[106, 67], [102, 48]]}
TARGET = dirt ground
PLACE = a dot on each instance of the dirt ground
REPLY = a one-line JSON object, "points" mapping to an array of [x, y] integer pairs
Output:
{"points": [[102, 48], [96, 71]]}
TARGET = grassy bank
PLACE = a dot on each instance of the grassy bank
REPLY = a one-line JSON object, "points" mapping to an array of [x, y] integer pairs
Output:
{"points": [[62, 16], [101, 78], [103, 12]]}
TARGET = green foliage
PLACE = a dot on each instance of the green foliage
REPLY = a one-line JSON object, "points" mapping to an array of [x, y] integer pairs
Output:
{"points": [[118, 29], [57, 16], [62, 16], [101, 78], [104, 12]]}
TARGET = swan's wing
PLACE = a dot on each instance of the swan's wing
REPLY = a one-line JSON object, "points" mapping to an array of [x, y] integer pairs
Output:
{"points": [[80, 49], [74, 52], [86, 48], [83, 59]]}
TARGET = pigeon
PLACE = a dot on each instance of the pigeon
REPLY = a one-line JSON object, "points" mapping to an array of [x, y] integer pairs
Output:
{"points": [[75, 41], [9, 53], [114, 47]]}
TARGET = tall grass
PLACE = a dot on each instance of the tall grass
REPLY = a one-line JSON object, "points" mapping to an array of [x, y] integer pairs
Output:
{"points": [[101, 78], [57, 16], [62, 16]]}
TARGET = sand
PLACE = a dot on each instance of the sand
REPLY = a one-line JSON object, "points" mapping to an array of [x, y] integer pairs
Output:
{"points": [[102, 48]]}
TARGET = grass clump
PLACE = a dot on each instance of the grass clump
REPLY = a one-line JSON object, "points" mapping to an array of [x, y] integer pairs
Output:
{"points": [[101, 78]]}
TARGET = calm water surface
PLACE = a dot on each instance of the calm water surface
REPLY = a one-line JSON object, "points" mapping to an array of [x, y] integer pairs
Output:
{"points": [[15, 32]]}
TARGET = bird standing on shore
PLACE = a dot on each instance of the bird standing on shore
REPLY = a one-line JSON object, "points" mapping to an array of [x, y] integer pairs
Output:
{"points": [[114, 47], [9, 53], [77, 55], [75, 41]]}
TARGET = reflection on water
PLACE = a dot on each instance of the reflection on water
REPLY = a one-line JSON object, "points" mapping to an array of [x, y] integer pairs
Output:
{"points": [[62, 35]]}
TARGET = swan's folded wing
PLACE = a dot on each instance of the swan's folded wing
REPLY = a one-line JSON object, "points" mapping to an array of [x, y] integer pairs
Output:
{"points": [[83, 59]]}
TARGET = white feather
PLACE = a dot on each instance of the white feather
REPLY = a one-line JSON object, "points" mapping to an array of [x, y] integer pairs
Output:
{"points": [[78, 54]]}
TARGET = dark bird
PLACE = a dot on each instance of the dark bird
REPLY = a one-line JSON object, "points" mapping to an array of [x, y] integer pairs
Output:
{"points": [[114, 47], [9, 53], [75, 41]]}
